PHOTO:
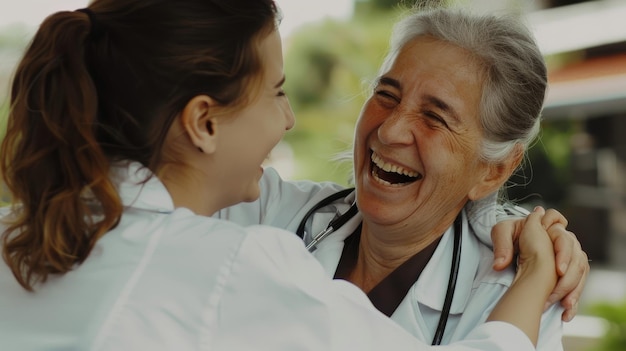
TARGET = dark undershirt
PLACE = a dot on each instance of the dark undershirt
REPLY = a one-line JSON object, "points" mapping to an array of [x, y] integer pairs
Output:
{"points": [[386, 295]]}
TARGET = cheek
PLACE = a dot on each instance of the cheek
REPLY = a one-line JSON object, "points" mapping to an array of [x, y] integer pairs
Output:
{"points": [[371, 117], [447, 154]]}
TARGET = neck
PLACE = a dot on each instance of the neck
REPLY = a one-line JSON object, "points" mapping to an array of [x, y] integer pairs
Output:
{"points": [[383, 249], [188, 189]]}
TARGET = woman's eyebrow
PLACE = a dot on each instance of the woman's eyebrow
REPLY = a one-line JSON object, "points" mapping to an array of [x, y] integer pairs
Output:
{"points": [[442, 105], [430, 98], [389, 81]]}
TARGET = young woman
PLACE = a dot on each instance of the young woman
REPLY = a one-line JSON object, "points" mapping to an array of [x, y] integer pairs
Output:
{"points": [[131, 123]]}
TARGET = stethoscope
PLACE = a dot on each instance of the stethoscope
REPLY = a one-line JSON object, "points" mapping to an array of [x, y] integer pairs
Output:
{"points": [[350, 213]]}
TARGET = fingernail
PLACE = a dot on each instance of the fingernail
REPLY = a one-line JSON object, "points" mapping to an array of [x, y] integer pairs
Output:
{"points": [[563, 267], [498, 261], [546, 306]]}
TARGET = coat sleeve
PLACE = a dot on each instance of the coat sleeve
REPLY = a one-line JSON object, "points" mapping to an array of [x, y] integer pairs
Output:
{"points": [[281, 203], [485, 297], [551, 330], [277, 297]]}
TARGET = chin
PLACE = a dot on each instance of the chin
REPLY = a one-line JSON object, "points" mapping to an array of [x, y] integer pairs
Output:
{"points": [[252, 195]]}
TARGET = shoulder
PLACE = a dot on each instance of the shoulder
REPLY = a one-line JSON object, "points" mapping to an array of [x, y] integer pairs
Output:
{"points": [[275, 248], [486, 275], [253, 247], [282, 203], [274, 186]]}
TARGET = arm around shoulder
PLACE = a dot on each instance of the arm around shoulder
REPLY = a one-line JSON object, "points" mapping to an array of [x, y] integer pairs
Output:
{"points": [[278, 297]]}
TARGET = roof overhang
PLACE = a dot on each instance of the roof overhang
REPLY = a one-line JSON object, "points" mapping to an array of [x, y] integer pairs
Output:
{"points": [[590, 88]]}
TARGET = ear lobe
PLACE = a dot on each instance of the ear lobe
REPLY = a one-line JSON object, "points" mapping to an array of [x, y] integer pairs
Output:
{"points": [[496, 174], [199, 122]]}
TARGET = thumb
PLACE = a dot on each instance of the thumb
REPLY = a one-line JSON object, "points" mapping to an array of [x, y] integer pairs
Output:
{"points": [[503, 236]]}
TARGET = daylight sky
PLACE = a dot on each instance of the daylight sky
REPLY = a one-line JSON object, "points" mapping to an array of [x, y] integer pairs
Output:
{"points": [[296, 12]]}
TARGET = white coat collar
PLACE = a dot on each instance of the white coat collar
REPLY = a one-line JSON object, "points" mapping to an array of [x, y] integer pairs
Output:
{"points": [[151, 195], [433, 282]]}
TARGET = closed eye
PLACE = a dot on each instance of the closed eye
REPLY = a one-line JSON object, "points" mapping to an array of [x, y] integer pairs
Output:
{"points": [[435, 117], [387, 96]]}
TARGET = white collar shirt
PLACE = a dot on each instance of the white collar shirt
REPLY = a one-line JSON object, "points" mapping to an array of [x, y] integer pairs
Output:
{"points": [[479, 287], [167, 279]]}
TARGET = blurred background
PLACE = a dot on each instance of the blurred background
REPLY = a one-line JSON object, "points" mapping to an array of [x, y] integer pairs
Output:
{"points": [[332, 51]]}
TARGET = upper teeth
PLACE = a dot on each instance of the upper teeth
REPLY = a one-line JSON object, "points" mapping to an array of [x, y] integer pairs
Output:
{"points": [[388, 167]]}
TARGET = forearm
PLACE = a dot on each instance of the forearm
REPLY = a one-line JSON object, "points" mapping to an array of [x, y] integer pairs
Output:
{"points": [[522, 305]]}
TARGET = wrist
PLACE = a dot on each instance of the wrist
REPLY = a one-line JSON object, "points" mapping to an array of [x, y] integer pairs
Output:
{"points": [[540, 270]]}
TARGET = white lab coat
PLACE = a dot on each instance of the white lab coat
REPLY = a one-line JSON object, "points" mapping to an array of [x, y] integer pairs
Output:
{"points": [[283, 204], [167, 279], [478, 288]]}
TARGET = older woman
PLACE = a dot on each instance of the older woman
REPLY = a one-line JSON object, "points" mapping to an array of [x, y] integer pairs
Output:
{"points": [[455, 106]]}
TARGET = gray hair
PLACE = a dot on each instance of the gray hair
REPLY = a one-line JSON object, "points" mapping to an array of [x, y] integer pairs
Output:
{"points": [[515, 72]]}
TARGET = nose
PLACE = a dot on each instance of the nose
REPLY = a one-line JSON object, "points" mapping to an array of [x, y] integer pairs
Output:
{"points": [[290, 117], [396, 129]]}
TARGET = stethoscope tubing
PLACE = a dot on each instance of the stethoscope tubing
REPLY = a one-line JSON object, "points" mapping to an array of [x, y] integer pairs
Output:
{"points": [[454, 274], [352, 211], [332, 226], [325, 202]]}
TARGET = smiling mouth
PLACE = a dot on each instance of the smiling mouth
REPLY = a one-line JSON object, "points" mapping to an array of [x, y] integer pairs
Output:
{"points": [[390, 174]]}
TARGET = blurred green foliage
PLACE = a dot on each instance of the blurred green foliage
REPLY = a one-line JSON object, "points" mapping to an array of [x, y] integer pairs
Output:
{"points": [[615, 314], [4, 114], [329, 66]]}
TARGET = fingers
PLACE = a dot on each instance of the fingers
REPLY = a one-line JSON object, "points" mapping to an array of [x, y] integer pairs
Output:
{"points": [[534, 219], [565, 246], [572, 264], [553, 217], [571, 261], [535, 244], [570, 286], [570, 302], [570, 313], [503, 236], [533, 237]]}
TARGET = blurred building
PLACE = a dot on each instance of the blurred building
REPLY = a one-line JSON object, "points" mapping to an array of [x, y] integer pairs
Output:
{"points": [[590, 87], [584, 43]]}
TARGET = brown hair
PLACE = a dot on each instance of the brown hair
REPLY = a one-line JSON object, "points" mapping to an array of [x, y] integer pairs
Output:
{"points": [[94, 88]]}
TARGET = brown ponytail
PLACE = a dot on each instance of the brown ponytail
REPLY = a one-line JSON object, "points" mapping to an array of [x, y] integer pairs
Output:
{"points": [[106, 84], [50, 160]]}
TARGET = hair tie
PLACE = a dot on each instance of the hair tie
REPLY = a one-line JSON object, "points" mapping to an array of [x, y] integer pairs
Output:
{"points": [[96, 29]]}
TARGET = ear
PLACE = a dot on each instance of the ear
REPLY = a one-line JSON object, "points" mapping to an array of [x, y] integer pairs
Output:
{"points": [[496, 174], [199, 121]]}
